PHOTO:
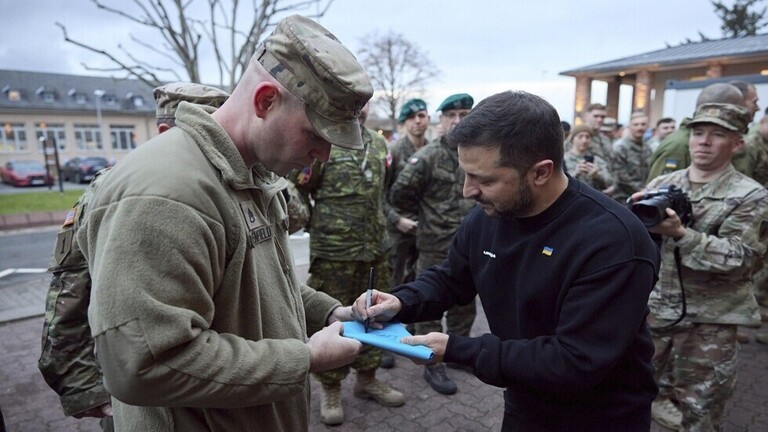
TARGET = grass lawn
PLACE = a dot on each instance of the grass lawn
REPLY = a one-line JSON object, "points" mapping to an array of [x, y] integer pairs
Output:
{"points": [[38, 201]]}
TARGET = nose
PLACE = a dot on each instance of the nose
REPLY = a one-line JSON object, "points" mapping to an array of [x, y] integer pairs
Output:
{"points": [[470, 189]]}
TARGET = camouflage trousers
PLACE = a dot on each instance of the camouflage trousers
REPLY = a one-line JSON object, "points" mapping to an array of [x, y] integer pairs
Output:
{"points": [[696, 369], [459, 318], [402, 257], [760, 282], [345, 281]]}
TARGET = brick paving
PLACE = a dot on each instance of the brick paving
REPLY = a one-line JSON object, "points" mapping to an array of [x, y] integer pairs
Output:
{"points": [[28, 405]]}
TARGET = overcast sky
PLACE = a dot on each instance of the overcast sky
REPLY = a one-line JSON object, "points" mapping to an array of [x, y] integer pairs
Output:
{"points": [[481, 47]]}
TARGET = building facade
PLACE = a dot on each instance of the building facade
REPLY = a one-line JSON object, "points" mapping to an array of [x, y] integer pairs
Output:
{"points": [[81, 115]]}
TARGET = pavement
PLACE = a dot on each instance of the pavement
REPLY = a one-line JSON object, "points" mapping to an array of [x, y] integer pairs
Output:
{"points": [[29, 405]]}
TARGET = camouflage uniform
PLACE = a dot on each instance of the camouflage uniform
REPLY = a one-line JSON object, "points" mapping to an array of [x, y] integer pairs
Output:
{"points": [[403, 253], [67, 362], [347, 230], [730, 232], [602, 179], [602, 146], [431, 186], [629, 167]]}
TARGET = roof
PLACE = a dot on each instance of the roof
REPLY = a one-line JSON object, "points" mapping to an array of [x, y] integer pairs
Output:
{"points": [[56, 92], [745, 46]]}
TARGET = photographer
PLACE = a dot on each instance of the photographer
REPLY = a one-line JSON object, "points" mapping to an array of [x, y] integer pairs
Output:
{"points": [[694, 325], [589, 168]]}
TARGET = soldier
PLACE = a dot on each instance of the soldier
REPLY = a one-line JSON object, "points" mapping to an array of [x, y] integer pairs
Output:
{"points": [[759, 140], [430, 186], [673, 153], [348, 237], [589, 168], [594, 116], [67, 361], [664, 127], [197, 314], [629, 166], [695, 334], [402, 227]]}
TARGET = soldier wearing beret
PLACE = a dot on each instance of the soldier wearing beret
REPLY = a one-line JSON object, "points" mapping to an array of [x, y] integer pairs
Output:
{"points": [[67, 362], [430, 186], [702, 296], [198, 318], [402, 226]]}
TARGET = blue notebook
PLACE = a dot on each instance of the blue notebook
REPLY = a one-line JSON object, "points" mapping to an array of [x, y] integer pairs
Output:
{"points": [[387, 338]]}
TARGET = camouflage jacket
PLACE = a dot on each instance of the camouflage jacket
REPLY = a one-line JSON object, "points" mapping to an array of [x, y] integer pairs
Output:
{"points": [[630, 167], [400, 151], [347, 219], [67, 362], [431, 186], [601, 146], [672, 154], [602, 178], [729, 233]]}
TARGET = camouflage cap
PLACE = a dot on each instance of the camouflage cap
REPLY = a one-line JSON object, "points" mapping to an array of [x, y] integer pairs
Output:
{"points": [[457, 101], [167, 97], [729, 116], [312, 64], [410, 108]]}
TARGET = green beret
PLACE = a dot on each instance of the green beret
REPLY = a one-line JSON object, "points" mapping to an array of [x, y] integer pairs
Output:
{"points": [[457, 101], [729, 116], [168, 97], [410, 108]]}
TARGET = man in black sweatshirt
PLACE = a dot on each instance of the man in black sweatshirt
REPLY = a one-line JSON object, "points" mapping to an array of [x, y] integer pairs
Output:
{"points": [[563, 273]]}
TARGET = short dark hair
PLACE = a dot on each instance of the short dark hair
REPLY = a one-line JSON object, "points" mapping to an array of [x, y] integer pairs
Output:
{"points": [[595, 106], [524, 127], [665, 120], [566, 126]]}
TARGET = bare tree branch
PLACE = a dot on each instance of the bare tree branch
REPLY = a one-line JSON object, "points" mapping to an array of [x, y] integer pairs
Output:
{"points": [[183, 30], [397, 68]]}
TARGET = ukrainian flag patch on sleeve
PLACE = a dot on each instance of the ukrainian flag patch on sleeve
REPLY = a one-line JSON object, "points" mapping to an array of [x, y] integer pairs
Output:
{"points": [[547, 251]]}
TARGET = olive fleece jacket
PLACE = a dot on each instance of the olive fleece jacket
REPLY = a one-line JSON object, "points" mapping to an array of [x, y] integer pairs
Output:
{"points": [[198, 317]]}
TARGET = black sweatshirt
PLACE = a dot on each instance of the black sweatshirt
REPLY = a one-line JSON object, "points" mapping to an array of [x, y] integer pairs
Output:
{"points": [[565, 293]]}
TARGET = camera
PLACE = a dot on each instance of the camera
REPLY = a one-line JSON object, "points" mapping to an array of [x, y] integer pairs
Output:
{"points": [[589, 158], [652, 208]]}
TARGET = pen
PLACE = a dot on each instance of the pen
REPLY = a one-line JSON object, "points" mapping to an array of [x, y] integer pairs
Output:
{"points": [[368, 295]]}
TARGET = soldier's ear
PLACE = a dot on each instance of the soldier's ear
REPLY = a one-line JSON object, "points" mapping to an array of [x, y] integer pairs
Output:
{"points": [[264, 97]]}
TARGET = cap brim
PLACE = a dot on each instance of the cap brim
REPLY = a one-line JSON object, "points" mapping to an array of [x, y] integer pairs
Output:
{"points": [[342, 133], [713, 120]]}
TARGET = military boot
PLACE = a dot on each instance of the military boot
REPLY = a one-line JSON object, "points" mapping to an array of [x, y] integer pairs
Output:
{"points": [[331, 411], [434, 375], [368, 387]]}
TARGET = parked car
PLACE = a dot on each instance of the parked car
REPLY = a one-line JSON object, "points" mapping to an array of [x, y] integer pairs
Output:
{"points": [[81, 170], [26, 173]]}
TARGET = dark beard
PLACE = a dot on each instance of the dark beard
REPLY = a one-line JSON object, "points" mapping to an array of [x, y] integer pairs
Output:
{"points": [[522, 205]]}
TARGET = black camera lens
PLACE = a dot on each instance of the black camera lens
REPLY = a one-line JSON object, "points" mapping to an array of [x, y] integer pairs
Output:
{"points": [[652, 211]]}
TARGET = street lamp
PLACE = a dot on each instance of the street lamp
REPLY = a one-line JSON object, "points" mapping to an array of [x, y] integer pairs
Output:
{"points": [[99, 94]]}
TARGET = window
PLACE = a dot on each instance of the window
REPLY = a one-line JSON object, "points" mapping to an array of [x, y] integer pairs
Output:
{"points": [[14, 138], [109, 99], [122, 138], [88, 137], [81, 99], [51, 132]]}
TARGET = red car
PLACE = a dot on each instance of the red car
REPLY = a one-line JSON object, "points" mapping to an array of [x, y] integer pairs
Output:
{"points": [[26, 173]]}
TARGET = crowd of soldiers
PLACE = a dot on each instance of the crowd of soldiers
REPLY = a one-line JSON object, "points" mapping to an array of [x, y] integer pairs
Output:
{"points": [[392, 208]]}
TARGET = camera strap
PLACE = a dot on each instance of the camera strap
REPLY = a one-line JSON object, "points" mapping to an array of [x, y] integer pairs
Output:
{"points": [[683, 312]]}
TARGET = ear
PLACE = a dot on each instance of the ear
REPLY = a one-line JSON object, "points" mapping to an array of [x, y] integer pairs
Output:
{"points": [[542, 171], [264, 97], [737, 146], [162, 127]]}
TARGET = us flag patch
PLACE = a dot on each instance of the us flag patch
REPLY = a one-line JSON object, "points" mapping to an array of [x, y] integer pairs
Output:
{"points": [[70, 219]]}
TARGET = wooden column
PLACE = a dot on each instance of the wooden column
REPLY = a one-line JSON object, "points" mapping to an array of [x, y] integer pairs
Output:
{"points": [[583, 96], [612, 99], [641, 97]]}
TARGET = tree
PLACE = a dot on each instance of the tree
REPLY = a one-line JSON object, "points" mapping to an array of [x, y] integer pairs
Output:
{"points": [[397, 68], [739, 19], [218, 25]]}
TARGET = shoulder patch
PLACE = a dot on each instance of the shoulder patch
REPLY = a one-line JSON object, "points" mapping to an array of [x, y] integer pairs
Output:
{"points": [[413, 160], [670, 163], [304, 175], [70, 219]]}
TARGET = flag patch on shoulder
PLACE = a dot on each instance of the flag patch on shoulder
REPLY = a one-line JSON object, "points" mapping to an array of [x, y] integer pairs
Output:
{"points": [[70, 219], [304, 175]]}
